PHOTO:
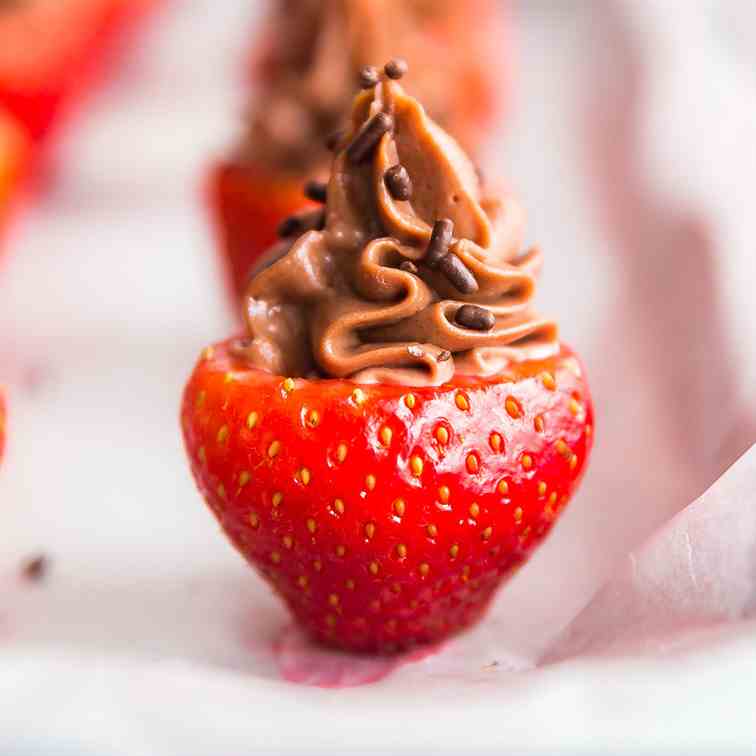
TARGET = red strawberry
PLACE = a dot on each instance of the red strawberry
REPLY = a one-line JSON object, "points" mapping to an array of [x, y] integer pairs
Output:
{"points": [[49, 51], [249, 205], [386, 516]]}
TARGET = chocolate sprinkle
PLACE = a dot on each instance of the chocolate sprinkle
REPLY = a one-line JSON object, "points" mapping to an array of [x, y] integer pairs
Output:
{"points": [[368, 136], [35, 569], [369, 77], [298, 224], [458, 274], [288, 226], [409, 267], [398, 182], [333, 140], [443, 356], [440, 239], [316, 191], [396, 68], [475, 318]]}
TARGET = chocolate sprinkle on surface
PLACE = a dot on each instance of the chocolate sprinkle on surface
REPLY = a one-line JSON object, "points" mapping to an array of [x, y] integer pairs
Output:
{"points": [[369, 77], [368, 136], [458, 274], [288, 226], [396, 68], [316, 191], [408, 267], [298, 224], [440, 239], [475, 318], [443, 356], [35, 569], [398, 182]]}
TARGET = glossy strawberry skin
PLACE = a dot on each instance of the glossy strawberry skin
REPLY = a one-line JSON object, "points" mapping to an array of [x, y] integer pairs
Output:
{"points": [[386, 516], [248, 206]]}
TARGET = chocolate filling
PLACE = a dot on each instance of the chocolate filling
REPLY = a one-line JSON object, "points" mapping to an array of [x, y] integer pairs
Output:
{"points": [[344, 302]]}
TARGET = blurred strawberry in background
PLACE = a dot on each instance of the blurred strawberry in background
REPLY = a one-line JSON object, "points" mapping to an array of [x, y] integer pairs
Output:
{"points": [[304, 68], [50, 52]]}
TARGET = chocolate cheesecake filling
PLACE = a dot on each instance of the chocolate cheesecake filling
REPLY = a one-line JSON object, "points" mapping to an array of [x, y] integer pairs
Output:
{"points": [[394, 290]]}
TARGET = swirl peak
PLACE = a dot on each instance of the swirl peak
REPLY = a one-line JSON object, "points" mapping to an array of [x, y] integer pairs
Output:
{"points": [[410, 261]]}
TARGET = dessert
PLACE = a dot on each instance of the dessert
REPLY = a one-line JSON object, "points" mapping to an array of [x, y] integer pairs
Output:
{"points": [[318, 51], [399, 428], [50, 51]]}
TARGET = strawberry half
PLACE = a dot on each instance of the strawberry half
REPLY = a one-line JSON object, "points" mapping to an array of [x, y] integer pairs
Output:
{"points": [[386, 516], [249, 205]]}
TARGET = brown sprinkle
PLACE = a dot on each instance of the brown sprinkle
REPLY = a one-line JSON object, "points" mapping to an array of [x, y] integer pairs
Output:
{"points": [[396, 68], [398, 182], [369, 77], [441, 238], [368, 136], [35, 569], [458, 274], [316, 191], [475, 318], [298, 224], [408, 267], [288, 226], [443, 355]]}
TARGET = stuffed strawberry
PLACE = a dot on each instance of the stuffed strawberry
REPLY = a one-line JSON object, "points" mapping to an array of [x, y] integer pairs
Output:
{"points": [[50, 50], [398, 429], [315, 53]]}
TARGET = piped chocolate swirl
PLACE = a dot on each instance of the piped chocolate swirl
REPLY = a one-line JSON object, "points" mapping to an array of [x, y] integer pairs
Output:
{"points": [[416, 274]]}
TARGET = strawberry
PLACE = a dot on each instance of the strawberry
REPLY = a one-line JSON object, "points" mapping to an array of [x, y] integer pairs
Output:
{"points": [[38, 80], [386, 516], [249, 206]]}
